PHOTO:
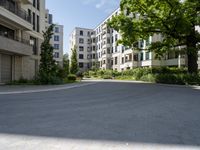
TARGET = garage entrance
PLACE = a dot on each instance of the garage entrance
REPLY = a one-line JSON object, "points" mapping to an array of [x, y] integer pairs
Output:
{"points": [[6, 68]]}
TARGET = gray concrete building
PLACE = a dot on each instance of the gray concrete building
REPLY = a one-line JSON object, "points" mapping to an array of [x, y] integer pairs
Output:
{"points": [[21, 26]]}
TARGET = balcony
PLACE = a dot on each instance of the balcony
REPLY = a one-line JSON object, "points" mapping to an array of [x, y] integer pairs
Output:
{"points": [[15, 46], [11, 14]]}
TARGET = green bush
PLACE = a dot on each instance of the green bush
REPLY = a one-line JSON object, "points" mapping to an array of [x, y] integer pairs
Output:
{"points": [[148, 78], [71, 77], [107, 77]]}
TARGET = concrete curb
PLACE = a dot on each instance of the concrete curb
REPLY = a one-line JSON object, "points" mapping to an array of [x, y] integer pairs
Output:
{"points": [[46, 90]]}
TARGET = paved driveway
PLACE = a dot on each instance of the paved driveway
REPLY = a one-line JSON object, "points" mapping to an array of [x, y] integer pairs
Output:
{"points": [[99, 116]]}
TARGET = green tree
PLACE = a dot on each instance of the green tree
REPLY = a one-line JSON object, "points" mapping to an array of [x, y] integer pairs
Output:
{"points": [[175, 20], [48, 67], [74, 62], [66, 64]]}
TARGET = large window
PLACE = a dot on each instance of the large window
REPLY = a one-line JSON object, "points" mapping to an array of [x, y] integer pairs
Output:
{"points": [[81, 56], [116, 60], [147, 55], [81, 33], [56, 55], [38, 23], [81, 40], [56, 38], [57, 29], [56, 46], [81, 48], [6, 32], [81, 65]]}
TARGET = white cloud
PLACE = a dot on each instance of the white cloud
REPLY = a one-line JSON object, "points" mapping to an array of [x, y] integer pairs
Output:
{"points": [[106, 5]]}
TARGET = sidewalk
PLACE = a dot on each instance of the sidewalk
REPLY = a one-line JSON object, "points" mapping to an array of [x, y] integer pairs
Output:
{"points": [[20, 89]]}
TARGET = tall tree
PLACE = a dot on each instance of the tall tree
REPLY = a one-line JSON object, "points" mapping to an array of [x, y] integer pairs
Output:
{"points": [[66, 64], [48, 68], [74, 61], [175, 20]]}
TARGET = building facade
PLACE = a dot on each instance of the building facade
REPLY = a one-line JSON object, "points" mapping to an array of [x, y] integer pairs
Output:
{"points": [[57, 38], [21, 26], [80, 39], [107, 54]]}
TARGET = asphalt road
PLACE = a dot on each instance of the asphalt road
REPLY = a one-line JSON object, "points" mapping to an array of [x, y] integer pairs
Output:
{"points": [[102, 115]]}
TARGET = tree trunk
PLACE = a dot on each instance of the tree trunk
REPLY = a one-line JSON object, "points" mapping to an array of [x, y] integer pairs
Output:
{"points": [[192, 53]]}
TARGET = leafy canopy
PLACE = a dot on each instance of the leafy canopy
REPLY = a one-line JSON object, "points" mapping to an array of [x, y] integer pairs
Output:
{"points": [[174, 19]]}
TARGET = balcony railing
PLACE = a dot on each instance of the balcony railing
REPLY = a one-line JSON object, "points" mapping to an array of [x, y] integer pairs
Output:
{"points": [[21, 40], [17, 11]]}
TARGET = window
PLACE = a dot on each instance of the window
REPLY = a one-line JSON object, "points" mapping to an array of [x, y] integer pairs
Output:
{"points": [[34, 44], [81, 33], [135, 57], [33, 21], [116, 37], [94, 48], [108, 50], [38, 23], [56, 46], [94, 40], [122, 60], [38, 4], [89, 41], [81, 40], [81, 56], [88, 33], [108, 40], [141, 56], [80, 65], [147, 55], [81, 48], [94, 56], [141, 44], [89, 56], [57, 29], [115, 48], [104, 61], [34, 3], [116, 59], [56, 38], [89, 49], [56, 55]]}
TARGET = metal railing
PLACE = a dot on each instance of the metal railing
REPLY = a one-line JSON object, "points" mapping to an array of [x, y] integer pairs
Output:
{"points": [[17, 11], [16, 38]]}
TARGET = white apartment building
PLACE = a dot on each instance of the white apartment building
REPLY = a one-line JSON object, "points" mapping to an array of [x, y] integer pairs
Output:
{"points": [[80, 38], [109, 55], [21, 26], [57, 38]]}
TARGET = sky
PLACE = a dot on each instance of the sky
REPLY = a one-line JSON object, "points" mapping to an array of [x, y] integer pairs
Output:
{"points": [[79, 13]]}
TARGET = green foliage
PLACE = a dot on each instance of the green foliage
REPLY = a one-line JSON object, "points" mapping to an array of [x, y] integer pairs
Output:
{"points": [[71, 77], [79, 75], [165, 75], [48, 68], [74, 61], [174, 19], [66, 65]]}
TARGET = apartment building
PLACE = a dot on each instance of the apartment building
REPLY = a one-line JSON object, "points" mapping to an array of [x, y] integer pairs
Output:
{"points": [[21, 26], [81, 39], [110, 55], [57, 38]]}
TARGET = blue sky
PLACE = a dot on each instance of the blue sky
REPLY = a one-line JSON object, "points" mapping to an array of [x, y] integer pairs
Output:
{"points": [[81, 13]]}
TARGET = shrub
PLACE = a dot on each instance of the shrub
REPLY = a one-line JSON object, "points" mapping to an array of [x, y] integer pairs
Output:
{"points": [[79, 75], [107, 77], [71, 77], [148, 78]]}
